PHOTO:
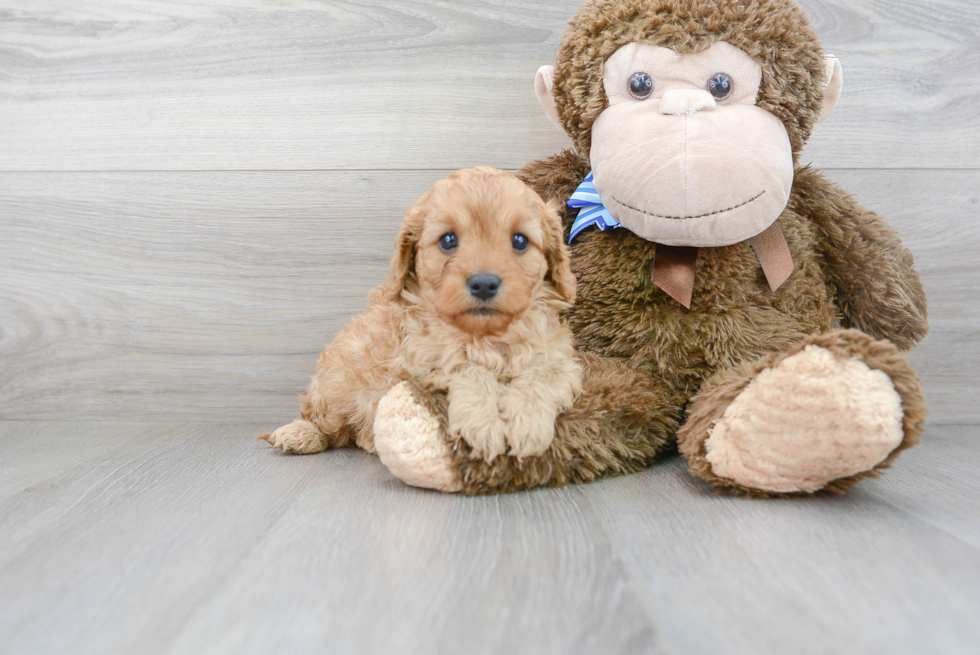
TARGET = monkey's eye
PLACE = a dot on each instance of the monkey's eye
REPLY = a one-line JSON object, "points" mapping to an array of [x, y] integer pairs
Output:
{"points": [[720, 86], [520, 242], [640, 85], [448, 242]]}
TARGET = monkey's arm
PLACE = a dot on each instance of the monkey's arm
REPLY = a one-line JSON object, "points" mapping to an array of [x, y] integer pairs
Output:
{"points": [[878, 290], [622, 422]]}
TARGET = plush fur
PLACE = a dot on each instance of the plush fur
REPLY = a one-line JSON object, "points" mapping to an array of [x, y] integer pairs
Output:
{"points": [[647, 360], [506, 363], [660, 377], [775, 33], [654, 355], [716, 396], [621, 423]]}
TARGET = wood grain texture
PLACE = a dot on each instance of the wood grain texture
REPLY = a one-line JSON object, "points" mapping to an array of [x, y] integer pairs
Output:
{"points": [[193, 538], [299, 84], [209, 295], [211, 542], [148, 294], [855, 574], [936, 214]]}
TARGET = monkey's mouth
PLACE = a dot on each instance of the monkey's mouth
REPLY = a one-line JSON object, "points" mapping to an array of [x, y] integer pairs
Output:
{"points": [[685, 218]]}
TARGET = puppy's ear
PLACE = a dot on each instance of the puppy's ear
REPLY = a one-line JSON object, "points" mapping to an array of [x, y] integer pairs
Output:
{"points": [[556, 253], [402, 265]]}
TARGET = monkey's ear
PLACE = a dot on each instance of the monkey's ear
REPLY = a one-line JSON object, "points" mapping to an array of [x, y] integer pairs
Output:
{"points": [[556, 253], [834, 88], [543, 81], [402, 263]]}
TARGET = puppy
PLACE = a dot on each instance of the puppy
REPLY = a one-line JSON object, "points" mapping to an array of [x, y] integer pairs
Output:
{"points": [[471, 306]]}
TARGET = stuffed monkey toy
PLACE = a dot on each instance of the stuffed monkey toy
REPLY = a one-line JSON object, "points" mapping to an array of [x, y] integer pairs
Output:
{"points": [[732, 304]]}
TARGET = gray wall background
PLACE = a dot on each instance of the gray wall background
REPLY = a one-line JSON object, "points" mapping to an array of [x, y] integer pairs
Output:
{"points": [[195, 196]]}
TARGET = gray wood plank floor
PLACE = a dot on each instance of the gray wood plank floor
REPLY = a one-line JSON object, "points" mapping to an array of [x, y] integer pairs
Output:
{"points": [[192, 538]]}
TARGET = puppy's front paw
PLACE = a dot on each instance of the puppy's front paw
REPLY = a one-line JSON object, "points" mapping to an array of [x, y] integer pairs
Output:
{"points": [[299, 438], [479, 425], [530, 424]]}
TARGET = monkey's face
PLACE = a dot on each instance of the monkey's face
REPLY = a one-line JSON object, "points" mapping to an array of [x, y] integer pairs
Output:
{"points": [[682, 155]]}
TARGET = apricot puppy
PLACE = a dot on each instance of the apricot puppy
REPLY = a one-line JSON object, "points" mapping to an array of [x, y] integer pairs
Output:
{"points": [[471, 306]]}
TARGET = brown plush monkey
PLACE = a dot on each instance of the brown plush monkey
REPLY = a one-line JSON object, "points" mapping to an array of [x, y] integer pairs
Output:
{"points": [[730, 303]]}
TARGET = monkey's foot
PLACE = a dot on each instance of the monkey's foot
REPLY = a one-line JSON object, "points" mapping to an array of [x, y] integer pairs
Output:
{"points": [[411, 444], [834, 410]]}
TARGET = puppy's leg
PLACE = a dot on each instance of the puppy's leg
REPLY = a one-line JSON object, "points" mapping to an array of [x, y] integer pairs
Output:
{"points": [[352, 375], [324, 423], [298, 438], [529, 417], [473, 412], [621, 423], [532, 401]]}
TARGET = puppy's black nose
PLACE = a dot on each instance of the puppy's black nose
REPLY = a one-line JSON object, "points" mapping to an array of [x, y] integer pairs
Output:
{"points": [[483, 286]]}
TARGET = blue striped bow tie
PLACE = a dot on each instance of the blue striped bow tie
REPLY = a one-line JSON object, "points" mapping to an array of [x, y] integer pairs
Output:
{"points": [[591, 210]]}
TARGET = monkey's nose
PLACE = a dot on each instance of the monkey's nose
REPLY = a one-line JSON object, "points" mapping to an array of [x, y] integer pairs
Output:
{"points": [[483, 286], [686, 102]]}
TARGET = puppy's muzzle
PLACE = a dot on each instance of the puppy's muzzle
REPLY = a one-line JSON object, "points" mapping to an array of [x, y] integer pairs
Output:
{"points": [[483, 286]]}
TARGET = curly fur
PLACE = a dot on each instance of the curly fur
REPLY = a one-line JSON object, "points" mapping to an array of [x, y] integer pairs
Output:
{"points": [[507, 363], [646, 357], [592, 441]]}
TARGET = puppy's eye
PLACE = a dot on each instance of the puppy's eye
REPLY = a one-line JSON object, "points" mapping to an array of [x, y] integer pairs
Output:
{"points": [[448, 242], [520, 242]]}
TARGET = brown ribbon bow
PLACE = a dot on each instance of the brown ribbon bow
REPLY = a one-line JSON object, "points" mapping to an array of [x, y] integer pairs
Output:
{"points": [[674, 266]]}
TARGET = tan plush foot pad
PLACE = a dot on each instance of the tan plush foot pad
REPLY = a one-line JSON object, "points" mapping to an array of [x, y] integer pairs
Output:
{"points": [[838, 408], [811, 419], [410, 443]]}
